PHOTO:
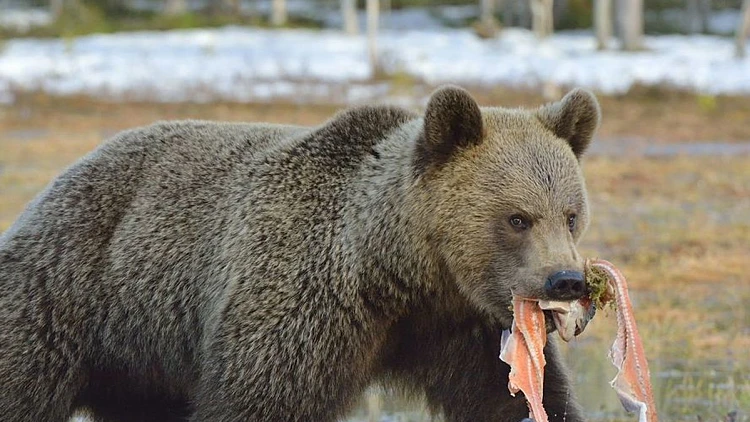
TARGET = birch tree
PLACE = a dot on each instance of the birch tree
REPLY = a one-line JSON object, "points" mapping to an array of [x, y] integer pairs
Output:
{"points": [[386, 6], [232, 6], [603, 22], [373, 12], [278, 13], [175, 7], [225, 7], [509, 12], [56, 8], [487, 27], [487, 11], [516, 13], [743, 28], [349, 14], [696, 14], [630, 14], [541, 18]]}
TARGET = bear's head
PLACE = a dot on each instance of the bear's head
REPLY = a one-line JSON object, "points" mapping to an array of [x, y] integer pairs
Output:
{"points": [[505, 195]]}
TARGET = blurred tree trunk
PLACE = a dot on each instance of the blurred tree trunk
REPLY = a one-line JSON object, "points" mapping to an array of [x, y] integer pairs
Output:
{"points": [[225, 7], [373, 10], [175, 7], [630, 14], [508, 12], [349, 13], [487, 11], [603, 22], [743, 29], [541, 18], [507, 8], [524, 13], [278, 13], [697, 16], [516, 13], [559, 10], [232, 7], [488, 26], [619, 10], [56, 8]]}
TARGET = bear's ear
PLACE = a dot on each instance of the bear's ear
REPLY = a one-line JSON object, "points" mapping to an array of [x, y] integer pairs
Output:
{"points": [[575, 118], [452, 121]]}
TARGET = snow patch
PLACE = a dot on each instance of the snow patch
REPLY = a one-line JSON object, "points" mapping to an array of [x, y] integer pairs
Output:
{"points": [[22, 20], [246, 64]]}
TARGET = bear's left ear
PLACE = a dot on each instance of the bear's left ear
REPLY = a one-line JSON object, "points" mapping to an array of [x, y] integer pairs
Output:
{"points": [[575, 118], [452, 121]]}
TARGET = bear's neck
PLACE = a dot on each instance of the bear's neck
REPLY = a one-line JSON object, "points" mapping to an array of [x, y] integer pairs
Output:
{"points": [[390, 241]]}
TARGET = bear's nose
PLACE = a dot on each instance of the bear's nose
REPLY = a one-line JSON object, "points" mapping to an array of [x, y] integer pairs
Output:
{"points": [[565, 285]]}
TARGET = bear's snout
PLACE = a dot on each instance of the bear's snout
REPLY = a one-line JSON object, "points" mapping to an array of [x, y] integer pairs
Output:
{"points": [[565, 285]]}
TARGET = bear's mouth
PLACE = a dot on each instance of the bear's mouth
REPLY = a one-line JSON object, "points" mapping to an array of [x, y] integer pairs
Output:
{"points": [[569, 317], [549, 319]]}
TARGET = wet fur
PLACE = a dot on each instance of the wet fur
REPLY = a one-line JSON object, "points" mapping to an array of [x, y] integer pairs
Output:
{"points": [[224, 272]]}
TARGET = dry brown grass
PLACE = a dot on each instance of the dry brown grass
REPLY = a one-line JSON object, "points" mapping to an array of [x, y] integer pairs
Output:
{"points": [[660, 116]]}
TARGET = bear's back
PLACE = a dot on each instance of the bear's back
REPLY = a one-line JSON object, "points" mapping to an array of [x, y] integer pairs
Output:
{"points": [[164, 163], [139, 239]]}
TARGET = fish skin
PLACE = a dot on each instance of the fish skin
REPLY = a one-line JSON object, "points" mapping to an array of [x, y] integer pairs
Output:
{"points": [[633, 380], [523, 350]]}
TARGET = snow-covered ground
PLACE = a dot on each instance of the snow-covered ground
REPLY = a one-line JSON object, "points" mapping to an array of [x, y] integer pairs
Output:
{"points": [[24, 19], [245, 64]]}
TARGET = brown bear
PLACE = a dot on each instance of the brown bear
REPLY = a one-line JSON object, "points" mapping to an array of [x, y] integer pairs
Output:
{"points": [[253, 272]]}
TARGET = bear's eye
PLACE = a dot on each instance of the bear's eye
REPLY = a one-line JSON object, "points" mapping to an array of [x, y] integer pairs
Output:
{"points": [[572, 222], [519, 222]]}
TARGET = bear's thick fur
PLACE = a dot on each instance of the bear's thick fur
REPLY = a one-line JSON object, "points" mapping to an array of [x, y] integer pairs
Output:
{"points": [[252, 272]]}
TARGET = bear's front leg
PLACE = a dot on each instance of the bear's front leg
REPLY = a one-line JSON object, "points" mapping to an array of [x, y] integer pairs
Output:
{"points": [[291, 367], [458, 368], [559, 399]]}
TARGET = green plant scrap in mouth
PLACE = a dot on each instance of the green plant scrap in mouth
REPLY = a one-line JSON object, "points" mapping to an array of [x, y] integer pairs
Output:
{"points": [[599, 287]]}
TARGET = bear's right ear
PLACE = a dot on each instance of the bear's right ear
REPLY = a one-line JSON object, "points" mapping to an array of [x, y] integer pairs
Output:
{"points": [[452, 121], [575, 118]]}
